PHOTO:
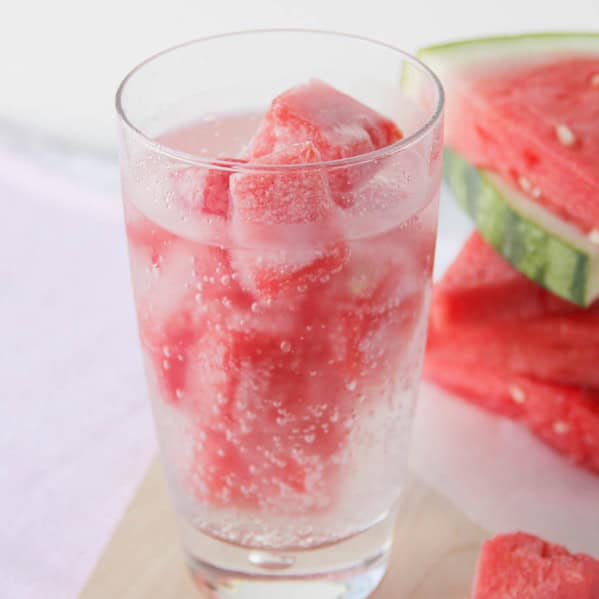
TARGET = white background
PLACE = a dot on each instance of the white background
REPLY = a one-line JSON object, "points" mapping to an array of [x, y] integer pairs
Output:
{"points": [[76, 434], [61, 60]]}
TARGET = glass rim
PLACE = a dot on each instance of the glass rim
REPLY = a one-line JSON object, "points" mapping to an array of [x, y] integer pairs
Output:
{"points": [[227, 164]]}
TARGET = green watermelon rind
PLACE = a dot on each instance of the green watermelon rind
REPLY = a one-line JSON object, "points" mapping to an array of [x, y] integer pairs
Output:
{"points": [[450, 57], [547, 250]]}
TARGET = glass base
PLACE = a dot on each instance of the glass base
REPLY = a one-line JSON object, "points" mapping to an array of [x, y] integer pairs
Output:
{"points": [[349, 569]]}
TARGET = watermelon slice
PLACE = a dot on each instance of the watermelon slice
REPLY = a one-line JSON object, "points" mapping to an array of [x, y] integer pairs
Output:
{"points": [[562, 349], [523, 566], [480, 286], [484, 311], [565, 417], [524, 110]]}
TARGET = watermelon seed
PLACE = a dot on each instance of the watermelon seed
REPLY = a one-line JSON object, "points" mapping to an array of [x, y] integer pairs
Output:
{"points": [[524, 184], [517, 394], [528, 187], [565, 135], [594, 236], [561, 427]]}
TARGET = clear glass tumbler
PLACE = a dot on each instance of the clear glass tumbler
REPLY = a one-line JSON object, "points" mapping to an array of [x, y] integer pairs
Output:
{"points": [[282, 300]]}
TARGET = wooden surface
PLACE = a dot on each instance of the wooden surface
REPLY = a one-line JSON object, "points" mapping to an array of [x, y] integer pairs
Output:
{"points": [[434, 554]]}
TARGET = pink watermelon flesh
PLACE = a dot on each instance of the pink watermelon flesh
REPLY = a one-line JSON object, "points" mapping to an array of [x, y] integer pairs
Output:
{"points": [[508, 121], [565, 417], [249, 373], [563, 349], [271, 433], [205, 190], [295, 197], [521, 566], [480, 286], [338, 125], [282, 197], [484, 311]]}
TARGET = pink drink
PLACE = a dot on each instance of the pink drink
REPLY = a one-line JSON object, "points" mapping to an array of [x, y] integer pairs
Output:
{"points": [[282, 303], [283, 377]]}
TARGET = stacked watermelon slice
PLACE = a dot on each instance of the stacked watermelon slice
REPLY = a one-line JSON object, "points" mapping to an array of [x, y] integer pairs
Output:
{"points": [[515, 320]]}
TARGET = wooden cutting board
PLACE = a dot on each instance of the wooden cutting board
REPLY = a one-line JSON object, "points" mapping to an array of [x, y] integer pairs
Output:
{"points": [[434, 553]]}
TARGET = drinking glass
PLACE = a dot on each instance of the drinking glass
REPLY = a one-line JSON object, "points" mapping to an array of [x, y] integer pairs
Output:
{"points": [[282, 308]]}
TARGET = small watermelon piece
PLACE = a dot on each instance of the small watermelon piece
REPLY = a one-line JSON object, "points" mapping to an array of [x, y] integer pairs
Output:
{"points": [[523, 110], [565, 417], [484, 311], [266, 433], [523, 566], [180, 287], [282, 197], [299, 203], [338, 125], [202, 189]]}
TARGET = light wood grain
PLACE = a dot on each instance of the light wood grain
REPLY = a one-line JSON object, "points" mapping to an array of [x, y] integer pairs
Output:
{"points": [[434, 553]]}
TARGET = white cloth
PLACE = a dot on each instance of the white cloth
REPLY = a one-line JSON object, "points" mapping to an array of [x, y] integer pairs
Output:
{"points": [[76, 433]]}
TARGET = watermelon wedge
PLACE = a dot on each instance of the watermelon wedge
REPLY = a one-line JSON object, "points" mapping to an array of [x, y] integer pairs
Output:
{"points": [[522, 126], [523, 566], [563, 416], [485, 312], [480, 286]]}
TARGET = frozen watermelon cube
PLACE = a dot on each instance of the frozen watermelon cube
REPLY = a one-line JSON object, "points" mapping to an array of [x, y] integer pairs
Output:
{"points": [[282, 223], [266, 435], [180, 287], [522, 566], [201, 189], [338, 125], [282, 197]]}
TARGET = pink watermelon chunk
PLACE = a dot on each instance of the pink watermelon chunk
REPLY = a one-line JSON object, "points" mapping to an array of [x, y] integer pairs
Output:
{"points": [[336, 124], [565, 417], [298, 198], [522, 566], [202, 189], [485, 312], [535, 124], [270, 434], [276, 197]]}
